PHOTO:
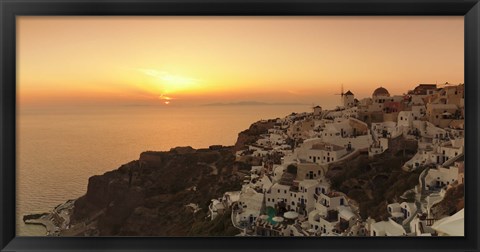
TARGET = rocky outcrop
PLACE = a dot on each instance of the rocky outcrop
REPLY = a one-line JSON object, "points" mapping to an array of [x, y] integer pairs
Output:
{"points": [[147, 197], [252, 134], [374, 182], [453, 202]]}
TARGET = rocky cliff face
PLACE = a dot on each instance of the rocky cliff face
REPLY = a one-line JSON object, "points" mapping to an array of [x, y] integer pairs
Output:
{"points": [[148, 197], [252, 134], [453, 202], [373, 181]]}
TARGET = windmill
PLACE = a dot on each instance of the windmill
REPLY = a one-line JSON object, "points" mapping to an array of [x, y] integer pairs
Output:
{"points": [[341, 95]]}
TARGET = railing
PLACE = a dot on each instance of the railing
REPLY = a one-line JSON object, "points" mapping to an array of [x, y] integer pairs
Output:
{"points": [[430, 221]]}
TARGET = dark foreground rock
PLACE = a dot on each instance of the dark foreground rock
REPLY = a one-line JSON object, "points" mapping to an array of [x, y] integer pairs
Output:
{"points": [[148, 197]]}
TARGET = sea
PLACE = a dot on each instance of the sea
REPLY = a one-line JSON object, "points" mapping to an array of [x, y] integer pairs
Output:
{"points": [[59, 148]]}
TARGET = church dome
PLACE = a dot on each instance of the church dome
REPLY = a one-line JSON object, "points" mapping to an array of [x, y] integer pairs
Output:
{"points": [[381, 91]]}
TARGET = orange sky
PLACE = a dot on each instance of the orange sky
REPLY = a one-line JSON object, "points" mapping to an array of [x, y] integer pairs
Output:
{"points": [[68, 60]]}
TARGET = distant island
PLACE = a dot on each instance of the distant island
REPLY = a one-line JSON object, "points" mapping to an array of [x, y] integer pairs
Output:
{"points": [[254, 103]]}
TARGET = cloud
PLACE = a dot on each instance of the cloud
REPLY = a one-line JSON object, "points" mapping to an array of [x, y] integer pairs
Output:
{"points": [[168, 77]]}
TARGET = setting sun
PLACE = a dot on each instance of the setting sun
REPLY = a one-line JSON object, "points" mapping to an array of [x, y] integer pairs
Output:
{"points": [[203, 59]]}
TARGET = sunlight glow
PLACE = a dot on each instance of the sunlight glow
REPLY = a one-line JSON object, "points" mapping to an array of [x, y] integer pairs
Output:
{"points": [[171, 83], [198, 60]]}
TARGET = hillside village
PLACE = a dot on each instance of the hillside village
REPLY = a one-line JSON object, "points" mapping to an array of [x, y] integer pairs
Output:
{"points": [[292, 190]]}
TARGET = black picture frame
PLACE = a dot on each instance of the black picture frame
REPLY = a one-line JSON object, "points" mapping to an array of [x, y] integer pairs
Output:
{"points": [[9, 9]]}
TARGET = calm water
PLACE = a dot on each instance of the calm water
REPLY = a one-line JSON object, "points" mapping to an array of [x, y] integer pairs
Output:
{"points": [[59, 149]]}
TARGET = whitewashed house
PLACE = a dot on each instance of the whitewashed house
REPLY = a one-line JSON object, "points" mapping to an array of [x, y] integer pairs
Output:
{"points": [[277, 193], [323, 153], [387, 228], [250, 204], [440, 177], [451, 226]]}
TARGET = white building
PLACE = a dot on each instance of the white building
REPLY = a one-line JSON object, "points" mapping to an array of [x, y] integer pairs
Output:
{"points": [[387, 228], [405, 119], [451, 226], [250, 203], [277, 193], [408, 209], [441, 176], [216, 208], [323, 153], [302, 198], [395, 210]]}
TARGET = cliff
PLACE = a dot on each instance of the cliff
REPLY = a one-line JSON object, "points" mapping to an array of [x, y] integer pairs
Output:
{"points": [[252, 134], [376, 181], [148, 197], [453, 202]]}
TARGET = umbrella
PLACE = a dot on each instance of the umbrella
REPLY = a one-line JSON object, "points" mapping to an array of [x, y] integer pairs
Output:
{"points": [[290, 215], [277, 219], [263, 216]]}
